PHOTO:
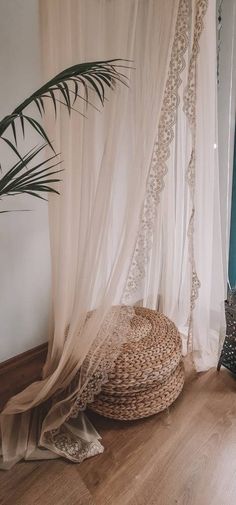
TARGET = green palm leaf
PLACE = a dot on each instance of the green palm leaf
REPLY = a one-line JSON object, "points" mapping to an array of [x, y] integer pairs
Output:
{"points": [[35, 180], [72, 84], [95, 76]]}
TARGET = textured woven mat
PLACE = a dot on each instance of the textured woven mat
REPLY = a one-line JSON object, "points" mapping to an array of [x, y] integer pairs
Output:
{"points": [[148, 374]]}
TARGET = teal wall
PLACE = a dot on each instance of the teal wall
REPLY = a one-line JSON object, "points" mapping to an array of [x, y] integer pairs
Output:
{"points": [[232, 249]]}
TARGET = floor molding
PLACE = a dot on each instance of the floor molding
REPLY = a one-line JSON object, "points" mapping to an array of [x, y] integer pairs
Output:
{"points": [[18, 372]]}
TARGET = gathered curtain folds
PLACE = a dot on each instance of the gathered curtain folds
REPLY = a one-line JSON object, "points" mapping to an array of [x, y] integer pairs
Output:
{"points": [[137, 221]]}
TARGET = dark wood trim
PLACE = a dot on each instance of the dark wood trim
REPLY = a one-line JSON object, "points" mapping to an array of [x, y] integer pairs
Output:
{"points": [[18, 372]]}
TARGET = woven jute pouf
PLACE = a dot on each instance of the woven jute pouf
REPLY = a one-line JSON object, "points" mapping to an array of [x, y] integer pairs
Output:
{"points": [[148, 374], [144, 403]]}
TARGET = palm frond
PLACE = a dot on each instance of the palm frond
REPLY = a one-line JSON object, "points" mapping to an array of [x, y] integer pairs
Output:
{"points": [[72, 84], [35, 180], [84, 77]]}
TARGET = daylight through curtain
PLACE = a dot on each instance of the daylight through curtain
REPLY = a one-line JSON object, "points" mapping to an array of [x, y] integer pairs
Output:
{"points": [[137, 219]]}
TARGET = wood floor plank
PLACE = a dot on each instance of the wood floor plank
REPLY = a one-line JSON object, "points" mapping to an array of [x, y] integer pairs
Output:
{"points": [[44, 483], [174, 459], [186, 456]]}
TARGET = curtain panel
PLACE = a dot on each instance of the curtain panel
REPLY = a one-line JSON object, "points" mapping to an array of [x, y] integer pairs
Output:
{"points": [[137, 218]]}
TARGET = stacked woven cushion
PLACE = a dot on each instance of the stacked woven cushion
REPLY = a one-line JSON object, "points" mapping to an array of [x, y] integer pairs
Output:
{"points": [[148, 375]]}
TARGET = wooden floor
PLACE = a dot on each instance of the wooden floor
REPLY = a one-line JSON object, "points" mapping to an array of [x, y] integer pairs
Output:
{"points": [[184, 457]]}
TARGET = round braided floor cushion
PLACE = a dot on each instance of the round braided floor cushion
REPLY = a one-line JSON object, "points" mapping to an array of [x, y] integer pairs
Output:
{"points": [[148, 374], [143, 404]]}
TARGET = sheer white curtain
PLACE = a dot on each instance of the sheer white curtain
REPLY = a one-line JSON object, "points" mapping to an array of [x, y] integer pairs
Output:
{"points": [[209, 317], [93, 224], [177, 262], [226, 116]]}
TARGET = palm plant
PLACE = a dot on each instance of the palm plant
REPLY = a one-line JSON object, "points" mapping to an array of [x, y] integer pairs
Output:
{"points": [[65, 88]]}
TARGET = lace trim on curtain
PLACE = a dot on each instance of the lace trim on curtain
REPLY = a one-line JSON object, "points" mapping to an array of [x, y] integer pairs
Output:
{"points": [[190, 111], [67, 445], [101, 360], [88, 382], [161, 153]]}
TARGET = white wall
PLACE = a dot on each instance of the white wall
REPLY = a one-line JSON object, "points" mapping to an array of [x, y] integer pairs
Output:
{"points": [[226, 115], [24, 241]]}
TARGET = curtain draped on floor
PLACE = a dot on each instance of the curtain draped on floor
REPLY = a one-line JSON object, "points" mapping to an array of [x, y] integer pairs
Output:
{"points": [[138, 216]]}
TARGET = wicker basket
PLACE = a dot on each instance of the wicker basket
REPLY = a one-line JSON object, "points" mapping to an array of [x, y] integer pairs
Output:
{"points": [[148, 374], [228, 353]]}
